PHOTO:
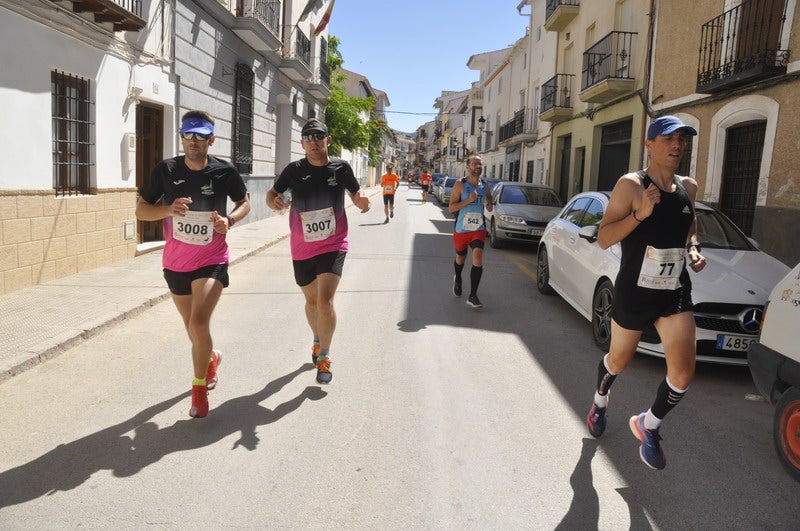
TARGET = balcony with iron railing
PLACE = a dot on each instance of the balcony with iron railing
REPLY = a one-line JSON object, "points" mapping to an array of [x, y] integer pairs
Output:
{"points": [[296, 63], [124, 15], [606, 70], [258, 24], [559, 13], [742, 46], [556, 101], [321, 86], [521, 128]]}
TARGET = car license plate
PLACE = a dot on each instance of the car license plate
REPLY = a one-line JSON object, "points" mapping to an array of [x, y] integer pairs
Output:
{"points": [[729, 342], [535, 232]]}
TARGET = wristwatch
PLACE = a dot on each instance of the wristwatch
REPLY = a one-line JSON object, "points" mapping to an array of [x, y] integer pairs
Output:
{"points": [[696, 245], [231, 221]]}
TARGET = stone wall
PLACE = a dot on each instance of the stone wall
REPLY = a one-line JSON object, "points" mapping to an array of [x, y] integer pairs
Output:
{"points": [[43, 237]]}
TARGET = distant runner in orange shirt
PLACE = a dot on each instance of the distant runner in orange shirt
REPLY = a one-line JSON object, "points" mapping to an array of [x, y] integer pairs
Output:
{"points": [[425, 183], [390, 182]]}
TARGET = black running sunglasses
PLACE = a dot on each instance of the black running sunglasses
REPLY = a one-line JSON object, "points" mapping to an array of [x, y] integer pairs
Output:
{"points": [[195, 136], [315, 136]]}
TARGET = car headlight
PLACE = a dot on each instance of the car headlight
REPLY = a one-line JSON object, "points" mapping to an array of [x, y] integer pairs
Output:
{"points": [[516, 220]]}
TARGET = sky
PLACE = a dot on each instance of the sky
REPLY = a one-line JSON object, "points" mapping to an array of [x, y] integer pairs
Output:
{"points": [[414, 49]]}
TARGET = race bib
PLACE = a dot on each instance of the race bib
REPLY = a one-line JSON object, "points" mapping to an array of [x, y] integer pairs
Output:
{"points": [[318, 224], [194, 228], [661, 268], [472, 221], [388, 189]]}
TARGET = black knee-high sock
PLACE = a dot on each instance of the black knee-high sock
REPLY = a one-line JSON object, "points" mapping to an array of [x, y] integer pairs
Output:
{"points": [[475, 279], [458, 269], [667, 398], [604, 378]]}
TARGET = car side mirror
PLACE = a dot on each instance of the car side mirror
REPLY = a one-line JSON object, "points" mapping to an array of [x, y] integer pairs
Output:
{"points": [[589, 233]]}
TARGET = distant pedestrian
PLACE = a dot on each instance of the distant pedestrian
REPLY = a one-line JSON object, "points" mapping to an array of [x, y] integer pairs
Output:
{"points": [[651, 212], [190, 193], [467, 200], [390, 182], [318, 226], [425, 184]]}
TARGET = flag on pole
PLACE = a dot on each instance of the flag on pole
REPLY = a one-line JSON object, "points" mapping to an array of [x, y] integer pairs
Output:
{"points": [[311, 5], [325, 19]]}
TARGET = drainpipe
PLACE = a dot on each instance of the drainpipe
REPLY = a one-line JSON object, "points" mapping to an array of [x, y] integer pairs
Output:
{"points": [[647, 109]]}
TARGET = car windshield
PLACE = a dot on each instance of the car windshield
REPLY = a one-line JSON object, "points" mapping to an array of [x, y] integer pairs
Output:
{"points": [[526, 195], [450, 182], [716, 231]]}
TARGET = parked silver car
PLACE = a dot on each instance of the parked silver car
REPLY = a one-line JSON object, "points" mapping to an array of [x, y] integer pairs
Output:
{"points": [[445, 189], [728, 295], [520, 212]]}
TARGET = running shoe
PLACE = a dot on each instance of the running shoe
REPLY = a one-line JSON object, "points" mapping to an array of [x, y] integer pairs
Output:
{"points": [[211, 372], [456, 286], [474, 301], [650, 451], [391, 214], [199, 401], [596, 420], [315, 353], [324, 375]]}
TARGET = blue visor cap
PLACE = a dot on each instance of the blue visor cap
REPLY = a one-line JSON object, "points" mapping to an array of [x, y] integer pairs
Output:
{"points": [[197, 125], [666, 125]]}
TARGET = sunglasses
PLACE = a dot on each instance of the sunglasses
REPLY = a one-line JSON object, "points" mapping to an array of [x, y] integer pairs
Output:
{"points": [[195, 136], [315, 136]]}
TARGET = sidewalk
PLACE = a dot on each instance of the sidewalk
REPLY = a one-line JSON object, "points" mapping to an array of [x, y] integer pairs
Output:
{"points": [[44, 320]]}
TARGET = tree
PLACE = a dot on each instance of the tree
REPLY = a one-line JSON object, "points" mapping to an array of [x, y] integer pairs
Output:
{"points": [[343, 114]]}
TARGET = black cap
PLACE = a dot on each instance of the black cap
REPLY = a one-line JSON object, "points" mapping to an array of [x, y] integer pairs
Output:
{"points": [[314, 126]]}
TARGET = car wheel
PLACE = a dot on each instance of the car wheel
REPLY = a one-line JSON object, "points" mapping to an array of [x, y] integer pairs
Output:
{"points": [[543, 273], [494, 241], [602, 303], [786, 431]]}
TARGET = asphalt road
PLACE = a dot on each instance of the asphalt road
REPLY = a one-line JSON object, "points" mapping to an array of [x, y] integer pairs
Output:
{"points": [[438, 417]]}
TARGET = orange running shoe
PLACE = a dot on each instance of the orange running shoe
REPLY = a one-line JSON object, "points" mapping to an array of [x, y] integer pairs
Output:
{"points": [[199, 401], [211, 372], [324, 374], [315, 353]]}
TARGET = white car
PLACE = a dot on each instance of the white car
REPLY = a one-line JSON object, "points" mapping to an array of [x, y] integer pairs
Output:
{"points": [[775, 367], [728, 294]]}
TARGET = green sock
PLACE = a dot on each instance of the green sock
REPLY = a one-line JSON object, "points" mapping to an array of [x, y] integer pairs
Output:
{"points": [[323, 354], [199, 381]]}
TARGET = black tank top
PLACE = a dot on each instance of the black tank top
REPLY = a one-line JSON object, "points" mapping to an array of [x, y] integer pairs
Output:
{"points": [[666, 228]]}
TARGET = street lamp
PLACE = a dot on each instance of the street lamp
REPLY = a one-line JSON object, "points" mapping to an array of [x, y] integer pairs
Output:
{"points": [[482, 128]]}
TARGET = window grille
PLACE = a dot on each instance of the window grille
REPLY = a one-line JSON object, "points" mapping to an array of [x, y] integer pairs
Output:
{"points": [[243, 120], [72, 133], [743, 153]]}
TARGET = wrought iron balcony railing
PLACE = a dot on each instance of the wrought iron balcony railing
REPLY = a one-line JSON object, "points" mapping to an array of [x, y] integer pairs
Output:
{"points": [[742, 46], [523, 122], [609, 58], [559, 13], [268, 13], [302, 48], [125, 15], [557, 93]]}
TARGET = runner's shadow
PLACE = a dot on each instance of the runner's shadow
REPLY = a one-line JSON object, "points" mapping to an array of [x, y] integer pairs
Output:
{"points": [[584, 510], [69, 465]]}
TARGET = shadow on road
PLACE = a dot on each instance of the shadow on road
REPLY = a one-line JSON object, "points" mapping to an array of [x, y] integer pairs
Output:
{"points": [[68, 465], [708, 466]]}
